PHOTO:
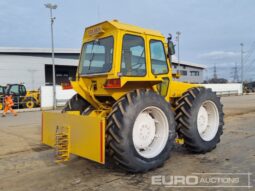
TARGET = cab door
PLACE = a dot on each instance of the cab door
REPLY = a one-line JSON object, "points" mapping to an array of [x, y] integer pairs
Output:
{"points": [[14, 91], [159, 65]]}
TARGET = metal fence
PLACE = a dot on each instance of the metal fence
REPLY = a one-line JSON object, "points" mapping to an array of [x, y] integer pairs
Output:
{"points": [[21, 102]]}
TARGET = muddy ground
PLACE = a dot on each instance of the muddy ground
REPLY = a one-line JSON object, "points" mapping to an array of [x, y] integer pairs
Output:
{"points": [[25, 164]]}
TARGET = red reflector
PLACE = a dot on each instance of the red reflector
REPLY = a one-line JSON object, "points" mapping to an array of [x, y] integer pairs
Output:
{"points": [[66, 86], [112, 83]]}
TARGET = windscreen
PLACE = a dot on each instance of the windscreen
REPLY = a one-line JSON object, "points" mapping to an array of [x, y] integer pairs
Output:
{"points": [[96, 56]]}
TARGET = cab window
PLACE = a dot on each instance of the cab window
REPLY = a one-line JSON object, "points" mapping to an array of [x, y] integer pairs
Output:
{"points": [[158, 57], [22, 90], [97, 56], [133, 56], [14, 89]]}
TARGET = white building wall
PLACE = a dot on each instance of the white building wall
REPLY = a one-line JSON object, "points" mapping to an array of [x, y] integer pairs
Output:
{"points": [[191, 79], [62, 96], [225, 89], [27, 69]]}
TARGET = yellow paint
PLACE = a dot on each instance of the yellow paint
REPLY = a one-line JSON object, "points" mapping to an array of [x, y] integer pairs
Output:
{"points": [[62, 145], [85, 85], [87, 134], [179, 141], [33, 94]]}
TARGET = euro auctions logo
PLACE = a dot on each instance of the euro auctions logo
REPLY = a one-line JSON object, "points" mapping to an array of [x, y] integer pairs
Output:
{"points": [[175, 180], [220, 180]]}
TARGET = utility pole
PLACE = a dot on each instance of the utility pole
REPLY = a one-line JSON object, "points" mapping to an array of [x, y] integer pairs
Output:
{"points": [[178, 33], [241, 44], [51, 7]]}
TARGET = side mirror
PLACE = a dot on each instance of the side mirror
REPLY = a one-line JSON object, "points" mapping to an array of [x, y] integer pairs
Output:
{"points": [[171, 46]]}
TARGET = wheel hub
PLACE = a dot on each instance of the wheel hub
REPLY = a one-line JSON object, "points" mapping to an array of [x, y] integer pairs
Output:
{"points": [[202, 119], [144, 131], [208, 120], [150, 132], [30, 104]]}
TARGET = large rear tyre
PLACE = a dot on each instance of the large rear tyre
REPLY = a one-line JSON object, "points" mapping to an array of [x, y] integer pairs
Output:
{"points": [[77, 103], [140, 131], [199, 116]]}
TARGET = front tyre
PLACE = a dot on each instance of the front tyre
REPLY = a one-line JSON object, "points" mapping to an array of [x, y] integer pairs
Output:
{"points": [[140, 131], [199, 115], [29, 103]]}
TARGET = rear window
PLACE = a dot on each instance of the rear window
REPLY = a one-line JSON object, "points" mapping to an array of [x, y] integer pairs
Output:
{"points": [[97, 56]]}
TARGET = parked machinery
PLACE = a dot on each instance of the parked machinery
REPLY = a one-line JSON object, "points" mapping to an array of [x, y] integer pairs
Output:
{"points": [[2, 92], [22, 97], [128, 109], [249, 87]]}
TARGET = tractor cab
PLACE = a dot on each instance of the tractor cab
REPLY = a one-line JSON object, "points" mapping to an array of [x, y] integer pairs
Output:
{"points": [[2, 90], [117, 58], [16, 90], [22, 97]]}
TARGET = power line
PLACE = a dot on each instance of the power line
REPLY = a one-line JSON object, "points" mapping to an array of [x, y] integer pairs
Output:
{"points": [[215, 76], [249, 64], [241, 44], [235, 73], [250, 52]]}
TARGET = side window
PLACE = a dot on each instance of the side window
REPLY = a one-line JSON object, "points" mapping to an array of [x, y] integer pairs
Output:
{"points": [[194, 73], [184, 72], [133, 56], [14, 90], [158, 57], [22, 90]]}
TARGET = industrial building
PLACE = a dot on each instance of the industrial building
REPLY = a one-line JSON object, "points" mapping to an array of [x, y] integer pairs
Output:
{"points": [[190, 72], [33, 67]]}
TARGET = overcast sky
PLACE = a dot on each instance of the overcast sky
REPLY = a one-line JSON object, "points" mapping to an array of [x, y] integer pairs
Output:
{"points": [[211, 30]]}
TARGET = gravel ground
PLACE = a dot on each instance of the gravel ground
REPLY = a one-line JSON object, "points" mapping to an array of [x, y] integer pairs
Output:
{"points": [[25, 164]]}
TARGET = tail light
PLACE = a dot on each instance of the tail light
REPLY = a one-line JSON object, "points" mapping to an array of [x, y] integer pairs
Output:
{"points": [[112, 83], [66, 86]]}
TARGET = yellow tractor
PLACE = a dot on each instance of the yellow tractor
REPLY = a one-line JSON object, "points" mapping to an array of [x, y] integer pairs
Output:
{"points": [[128, 109]]}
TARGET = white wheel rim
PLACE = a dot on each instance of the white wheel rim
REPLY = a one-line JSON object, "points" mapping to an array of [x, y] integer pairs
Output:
{"points": [[150, 132], [208, 120]]}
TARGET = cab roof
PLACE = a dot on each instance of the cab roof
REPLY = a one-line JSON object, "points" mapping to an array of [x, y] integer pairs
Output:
{"points": [[128, 27]]}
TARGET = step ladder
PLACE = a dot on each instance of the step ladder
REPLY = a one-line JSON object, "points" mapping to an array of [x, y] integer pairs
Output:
{"points": [[62, 145]]}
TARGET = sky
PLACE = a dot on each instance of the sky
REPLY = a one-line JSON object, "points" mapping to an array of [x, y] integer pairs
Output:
{"points": [[211, 30]]}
